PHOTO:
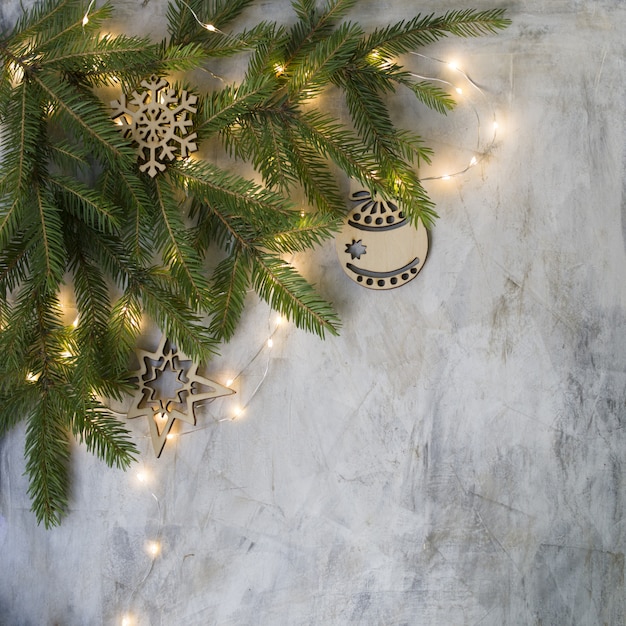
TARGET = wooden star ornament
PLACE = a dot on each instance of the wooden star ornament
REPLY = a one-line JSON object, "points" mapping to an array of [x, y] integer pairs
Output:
{"points": [[168, 389]]}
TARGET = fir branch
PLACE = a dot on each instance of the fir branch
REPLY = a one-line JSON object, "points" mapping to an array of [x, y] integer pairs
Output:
{"points": [[307, 232], [230, 281], [104, 435], [127, 189], [432, 96], [14, 263], [178, 321], [313, 26], [292, 296], [48, 254], [223, 108], [83, 113], [313, 70], [313, 173], [171, 241], [405, 36], [84, 203], [47, 451]]}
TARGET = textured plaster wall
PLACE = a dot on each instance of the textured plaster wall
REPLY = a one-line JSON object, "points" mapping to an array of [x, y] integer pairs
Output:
{"points": [[456, 456]]}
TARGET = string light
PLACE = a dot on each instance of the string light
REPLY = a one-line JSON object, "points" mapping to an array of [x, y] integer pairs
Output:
{"points": [[204, 25], [86, 16], [482, 153]]}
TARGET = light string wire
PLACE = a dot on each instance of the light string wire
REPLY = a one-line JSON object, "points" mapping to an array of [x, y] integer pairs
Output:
{"points": [[483, 153]]}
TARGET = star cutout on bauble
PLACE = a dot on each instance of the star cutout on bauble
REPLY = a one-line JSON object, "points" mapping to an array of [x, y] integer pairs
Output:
{"points": [[168, 389], [356, 249]]}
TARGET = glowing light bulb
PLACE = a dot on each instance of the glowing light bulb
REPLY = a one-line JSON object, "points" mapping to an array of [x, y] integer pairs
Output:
{"points": [[270, 342], [67, 354], [85, 20], [459, 90], [229, 382], [473, 161], [237, 412], [302, 213], [495, 126], [209, 27], [446, 177], [170, 436], [17, 74], [154, 548], [279, 69], [453, 66], [280, 320], [31, 377], [75, 322], [141, 477]]}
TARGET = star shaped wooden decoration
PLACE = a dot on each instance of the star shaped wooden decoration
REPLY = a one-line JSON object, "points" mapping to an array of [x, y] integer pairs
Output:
{"points": [[169, 387]]}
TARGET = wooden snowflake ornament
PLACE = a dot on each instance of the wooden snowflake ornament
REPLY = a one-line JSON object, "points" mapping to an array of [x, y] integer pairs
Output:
{"points": [[169, 387], [156, 120]]}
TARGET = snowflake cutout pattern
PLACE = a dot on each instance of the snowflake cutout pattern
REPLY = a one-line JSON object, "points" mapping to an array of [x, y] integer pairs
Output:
{"points": [[168, 389], [157, 121]]}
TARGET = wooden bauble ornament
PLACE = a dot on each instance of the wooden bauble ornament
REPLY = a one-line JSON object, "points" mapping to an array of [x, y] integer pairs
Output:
{"points": [[156, 120], [378, 247]]}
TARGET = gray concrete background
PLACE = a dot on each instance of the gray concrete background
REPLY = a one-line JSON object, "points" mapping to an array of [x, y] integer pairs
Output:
{"points": [[455, 457]]}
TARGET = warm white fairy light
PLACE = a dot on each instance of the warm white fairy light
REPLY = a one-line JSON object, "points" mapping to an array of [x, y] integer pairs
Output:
{"points": [[86, 16], [17, 74], [153, 548], [270, 343]]}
